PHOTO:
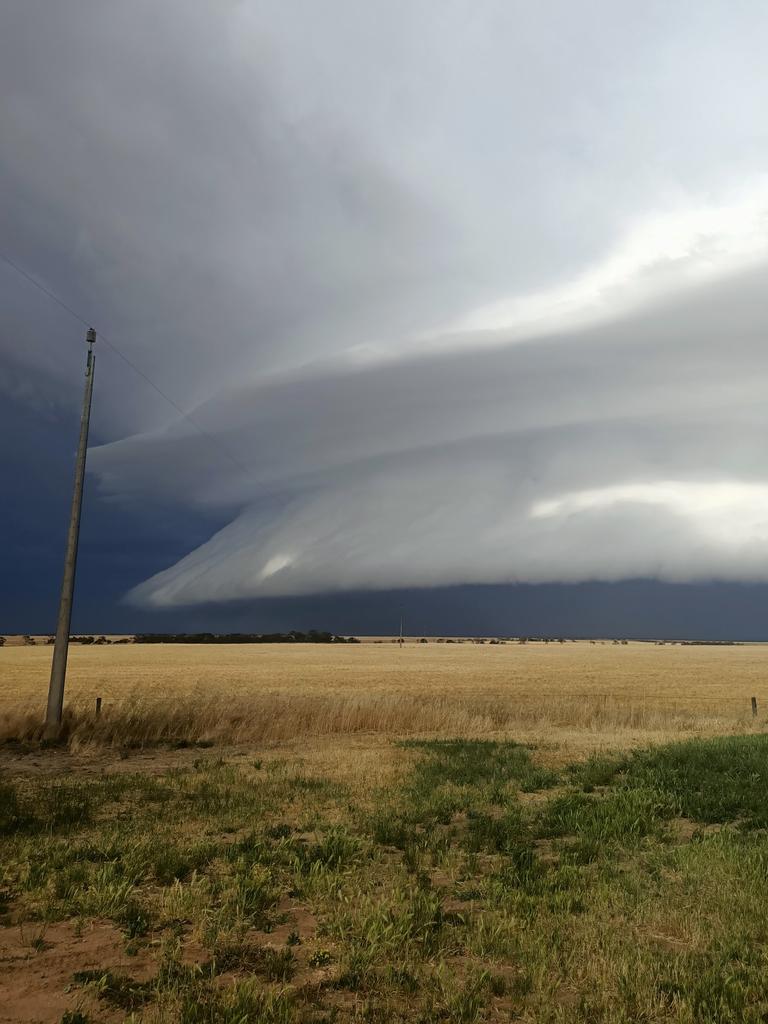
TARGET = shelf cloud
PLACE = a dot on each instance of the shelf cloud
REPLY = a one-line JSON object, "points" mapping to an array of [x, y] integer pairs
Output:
{"points": [[630, 448]]}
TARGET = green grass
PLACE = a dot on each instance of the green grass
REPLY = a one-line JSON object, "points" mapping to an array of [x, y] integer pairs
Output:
{"points": [[447, 896], [241, 955], [117, 990], [720, 780], [453, 778], [477, 763], [245, 1001], [56, 807], [623, 817]]}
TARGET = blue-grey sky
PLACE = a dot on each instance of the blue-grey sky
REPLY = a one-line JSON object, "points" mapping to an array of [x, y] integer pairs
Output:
{"points": [[467, 297]]}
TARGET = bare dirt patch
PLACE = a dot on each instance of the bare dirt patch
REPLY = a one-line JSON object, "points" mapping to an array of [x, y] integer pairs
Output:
{"points": [[36, 983]]}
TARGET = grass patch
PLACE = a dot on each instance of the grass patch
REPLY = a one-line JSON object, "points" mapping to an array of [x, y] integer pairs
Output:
{"points": [[54, 807], [711, 781], [241, 1003], [477, 763], [265, 893], [459, 777], [266, 961], [117, 990], [598, 824]]}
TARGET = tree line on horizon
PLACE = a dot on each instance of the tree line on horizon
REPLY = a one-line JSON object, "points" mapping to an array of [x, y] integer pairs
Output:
{"points": [[314, 636]]}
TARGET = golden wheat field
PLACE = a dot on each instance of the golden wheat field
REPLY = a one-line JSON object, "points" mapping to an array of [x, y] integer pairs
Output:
{"points": [[264, 693]]}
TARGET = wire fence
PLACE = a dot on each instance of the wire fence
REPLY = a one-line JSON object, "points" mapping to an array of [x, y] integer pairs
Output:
{"points": [[538, 696]]}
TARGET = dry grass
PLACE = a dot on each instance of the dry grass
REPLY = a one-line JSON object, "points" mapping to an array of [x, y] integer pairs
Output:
{"points": [[270, 719], [277, 693]]}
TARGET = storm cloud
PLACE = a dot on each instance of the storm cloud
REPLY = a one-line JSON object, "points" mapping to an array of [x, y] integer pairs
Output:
{"points": [[453, 293], [632, 448]]}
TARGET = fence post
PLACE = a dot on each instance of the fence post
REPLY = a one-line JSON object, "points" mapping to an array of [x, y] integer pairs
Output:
{"points": [[754, 707], [98, 706]]}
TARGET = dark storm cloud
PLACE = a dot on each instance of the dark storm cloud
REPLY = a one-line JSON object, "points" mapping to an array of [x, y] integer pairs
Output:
{"points": [[461, 292], [157, 185]]}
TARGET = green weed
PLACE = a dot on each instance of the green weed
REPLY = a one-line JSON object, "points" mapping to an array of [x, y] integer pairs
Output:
{"points": [[117, 990], [477, 763], [597, 824], [241, 1003], [272, 964]]}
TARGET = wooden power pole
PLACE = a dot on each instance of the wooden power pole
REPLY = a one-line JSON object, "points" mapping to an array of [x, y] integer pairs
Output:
{"points": [[61, 646]]}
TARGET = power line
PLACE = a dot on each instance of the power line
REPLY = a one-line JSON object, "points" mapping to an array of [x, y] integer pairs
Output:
{"points": [[111, 345], [46, 291]]}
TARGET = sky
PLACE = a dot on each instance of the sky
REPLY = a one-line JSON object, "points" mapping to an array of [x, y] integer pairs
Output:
{"points": [[453, 307]]}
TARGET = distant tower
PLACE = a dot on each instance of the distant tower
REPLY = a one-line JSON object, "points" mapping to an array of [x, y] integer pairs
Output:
{"points": [[401, 640]]}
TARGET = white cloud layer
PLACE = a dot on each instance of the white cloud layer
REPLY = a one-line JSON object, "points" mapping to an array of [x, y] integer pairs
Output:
{"points": [[467, 292]]}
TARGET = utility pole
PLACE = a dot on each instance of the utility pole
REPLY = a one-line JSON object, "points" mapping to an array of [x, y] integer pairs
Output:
{"points": [[60, 650], [400, 641]]}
